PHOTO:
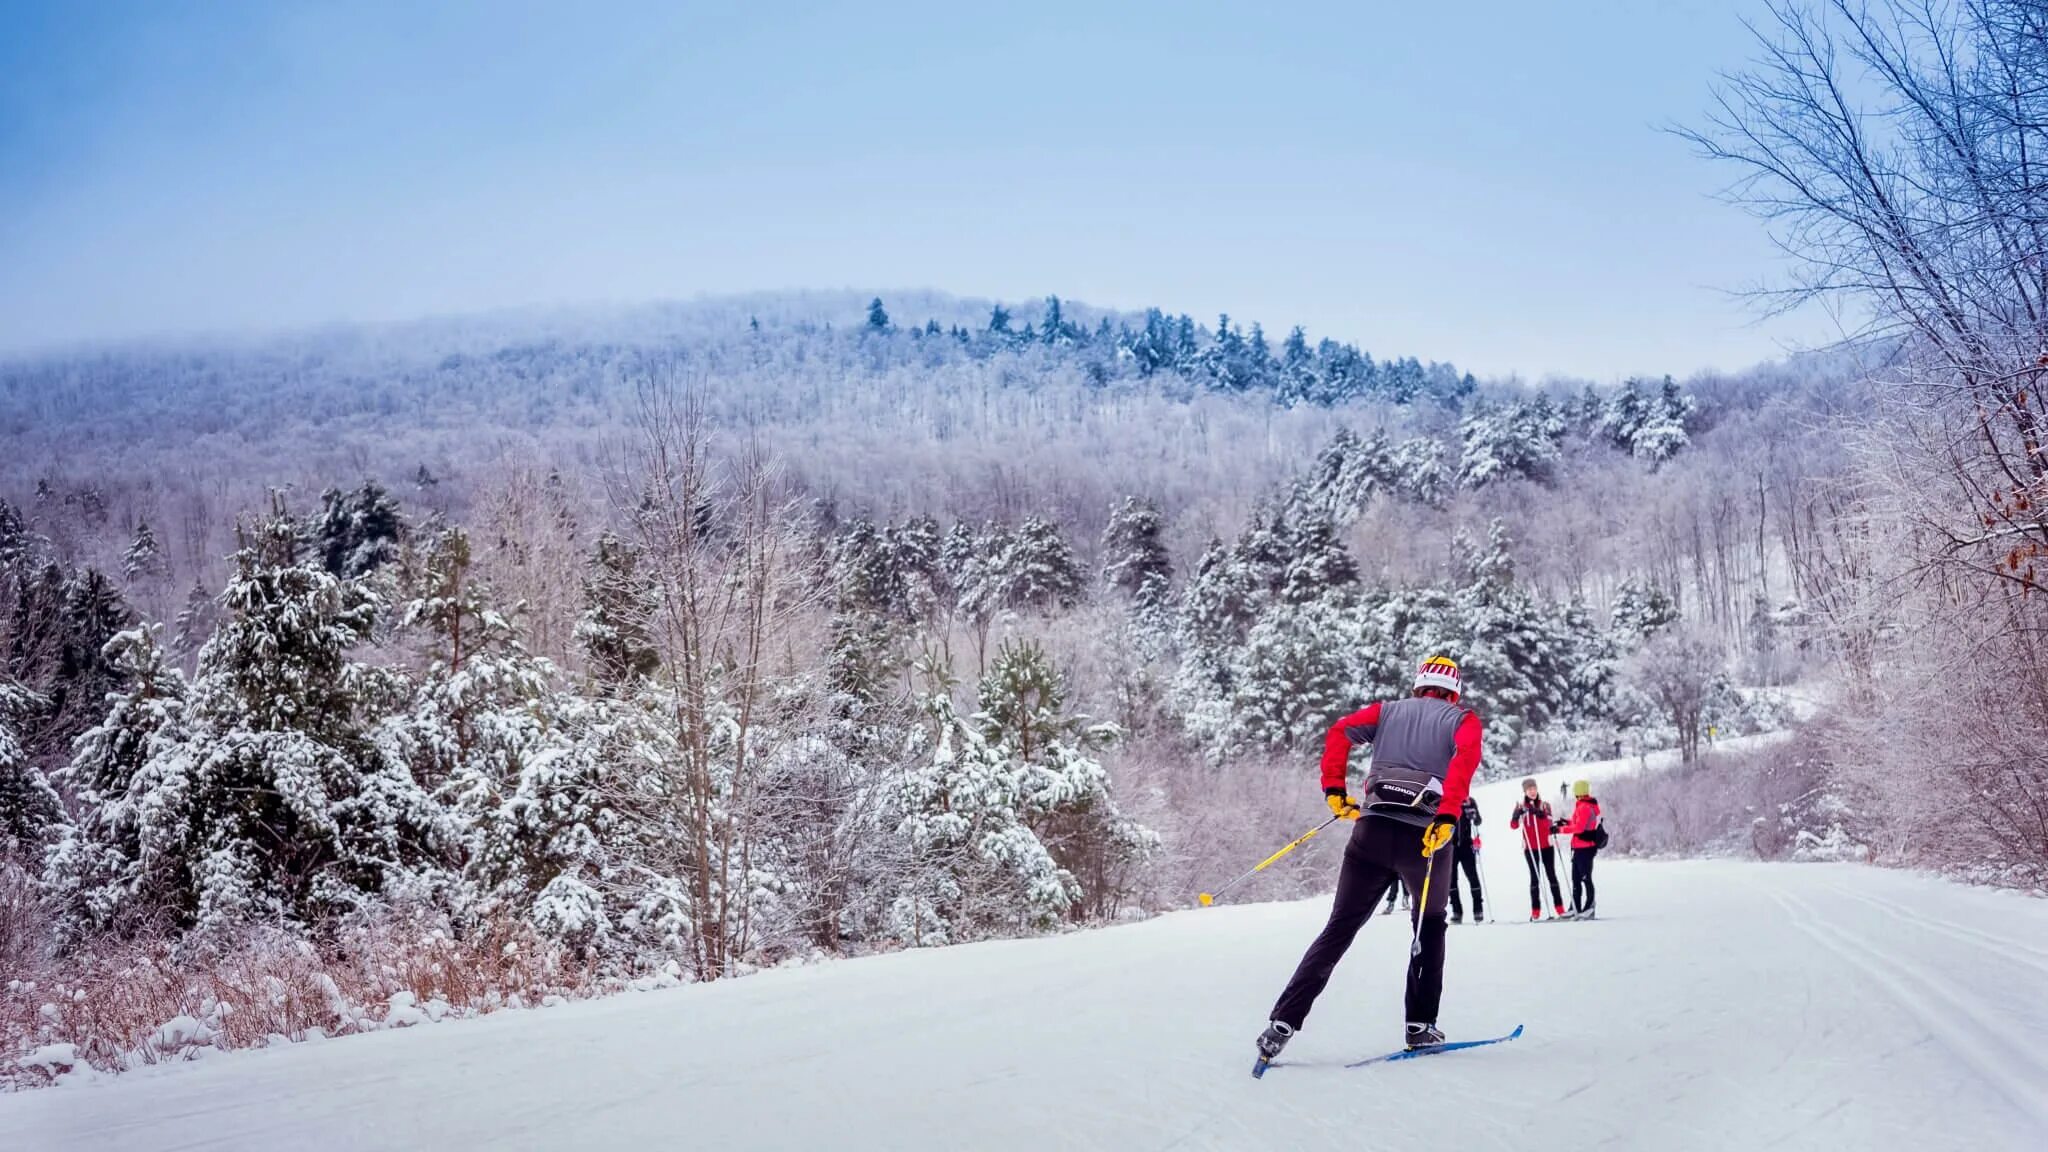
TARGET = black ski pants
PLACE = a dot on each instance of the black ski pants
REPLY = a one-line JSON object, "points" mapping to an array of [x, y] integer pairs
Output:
{"points": [[1582, 878], [1379, 852], [1548, 858], [1466, 858]]}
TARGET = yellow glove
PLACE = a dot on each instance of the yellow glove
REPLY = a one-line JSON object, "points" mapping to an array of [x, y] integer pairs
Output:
{"points": [[1438, 833], [1342, 806]]}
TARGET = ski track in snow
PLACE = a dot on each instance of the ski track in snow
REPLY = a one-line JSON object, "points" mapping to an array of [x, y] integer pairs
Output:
{"points": [[1720, 1004], [2012, 950], [1972, 1027]]}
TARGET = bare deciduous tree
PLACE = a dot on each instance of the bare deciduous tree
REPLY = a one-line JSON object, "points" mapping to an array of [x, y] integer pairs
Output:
{"points": [[728, 582], [1897, 147]]}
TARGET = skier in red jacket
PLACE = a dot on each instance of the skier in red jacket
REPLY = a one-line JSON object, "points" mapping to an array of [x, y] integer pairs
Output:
{"points": [[1583, 829], [1424, 751], [1532, 817]]}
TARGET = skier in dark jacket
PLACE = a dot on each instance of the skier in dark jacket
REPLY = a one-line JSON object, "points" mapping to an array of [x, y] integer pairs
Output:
{"points": [[1424, 752], [1465, 855], [1532, 817], [1401, 890], [1584, 822]]}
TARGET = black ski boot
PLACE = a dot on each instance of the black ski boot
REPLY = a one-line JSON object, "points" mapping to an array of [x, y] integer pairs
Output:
{"points": [[1270, 1042], [1424, 1036]]}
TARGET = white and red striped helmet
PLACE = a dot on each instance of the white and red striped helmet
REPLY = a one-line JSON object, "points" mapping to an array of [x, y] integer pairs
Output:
{"points": [[1440, 672]]}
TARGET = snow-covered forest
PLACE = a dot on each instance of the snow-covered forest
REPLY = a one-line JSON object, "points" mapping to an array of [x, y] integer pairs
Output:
{"points": [[720, 635]]}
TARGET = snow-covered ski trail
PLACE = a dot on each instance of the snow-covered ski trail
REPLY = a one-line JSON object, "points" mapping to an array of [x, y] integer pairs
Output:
{"points": [[1724, 1005], [1713, 1005]]}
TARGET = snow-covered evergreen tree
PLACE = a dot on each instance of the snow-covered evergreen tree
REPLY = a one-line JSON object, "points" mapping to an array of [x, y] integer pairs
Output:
{"points": [[195, 621], [28, 804], [895, 573], [999, 569], [357, 532], [1640, 609], [1509, 441], [124, 863], [93, 614], [514, 760], [1299, 380], [1514, 655], [1292, 679], [1222, 600], [144, 558], [1024, 700], [1318, 565], [1663, 433], [1653, 428], [977, 815], [1418, 471], [1038, 568], [276, 799], [613, 631], [1134, 555], [1056, 329], [1352, 471]]}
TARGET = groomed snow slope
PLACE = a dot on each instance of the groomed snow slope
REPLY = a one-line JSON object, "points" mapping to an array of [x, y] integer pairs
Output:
{"points": [[1716, 1005]]}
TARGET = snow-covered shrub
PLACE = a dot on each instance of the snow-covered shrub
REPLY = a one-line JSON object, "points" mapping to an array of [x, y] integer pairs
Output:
{"points": [[27, 937], [112, 1004], [572, 912]]}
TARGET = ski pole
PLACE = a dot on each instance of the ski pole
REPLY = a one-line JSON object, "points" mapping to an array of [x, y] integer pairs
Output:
{"points": [[1208, 898], [1422, 906], [1558, 858]]}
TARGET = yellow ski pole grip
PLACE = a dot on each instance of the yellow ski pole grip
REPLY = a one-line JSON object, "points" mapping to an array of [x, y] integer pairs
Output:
{"points": [[1206, 899]]}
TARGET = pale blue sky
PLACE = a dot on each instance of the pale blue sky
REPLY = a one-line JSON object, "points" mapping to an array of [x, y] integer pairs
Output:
{"points": [[1477, 182]]}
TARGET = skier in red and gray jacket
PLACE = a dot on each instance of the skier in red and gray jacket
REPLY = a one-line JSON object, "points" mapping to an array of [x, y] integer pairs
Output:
{"points": [[1424, 751], [1583, 828], [1532, 817]]}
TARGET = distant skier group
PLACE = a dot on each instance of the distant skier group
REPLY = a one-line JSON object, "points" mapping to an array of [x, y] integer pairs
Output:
{"points": [[1416, 801], [1532, 817]]}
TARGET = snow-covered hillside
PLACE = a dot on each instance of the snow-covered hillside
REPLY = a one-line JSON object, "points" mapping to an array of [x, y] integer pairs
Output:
{"points": [[1715, 1005]]}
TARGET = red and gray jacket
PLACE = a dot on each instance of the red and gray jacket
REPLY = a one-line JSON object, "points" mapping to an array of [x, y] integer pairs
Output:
{"points": [[1585, 818], [1533, 818], [1416, 742]]}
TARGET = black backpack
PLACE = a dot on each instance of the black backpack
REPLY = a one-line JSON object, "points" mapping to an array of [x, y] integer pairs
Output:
{"points": [[1598, 834]]}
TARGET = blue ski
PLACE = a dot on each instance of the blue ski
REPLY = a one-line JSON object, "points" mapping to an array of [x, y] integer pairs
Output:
{"points": [[1259, 1066], [1453, 1046]]}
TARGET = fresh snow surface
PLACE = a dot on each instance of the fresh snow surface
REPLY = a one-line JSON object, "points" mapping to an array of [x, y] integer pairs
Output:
{"points": [[1716, 1004]]}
